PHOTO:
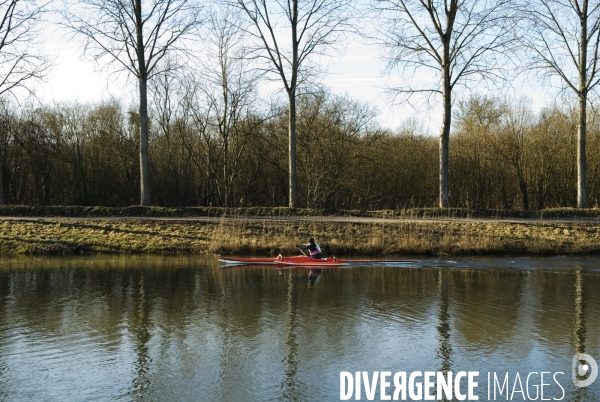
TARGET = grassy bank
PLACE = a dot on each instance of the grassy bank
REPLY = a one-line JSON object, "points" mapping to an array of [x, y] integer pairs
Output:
{"points": [[75, 236]]}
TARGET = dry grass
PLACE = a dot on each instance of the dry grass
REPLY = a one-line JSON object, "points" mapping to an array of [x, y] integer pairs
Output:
{"points": [[62, 236]]}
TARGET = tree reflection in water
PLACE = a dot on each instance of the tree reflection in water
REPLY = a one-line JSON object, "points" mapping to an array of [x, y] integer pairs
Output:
{"points": [[444, 350], [169, 328], [290, 386], [141, 381], [580, 327]]}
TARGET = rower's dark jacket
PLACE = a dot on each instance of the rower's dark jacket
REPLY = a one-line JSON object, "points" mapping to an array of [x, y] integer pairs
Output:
{"points": [[313, 248]]}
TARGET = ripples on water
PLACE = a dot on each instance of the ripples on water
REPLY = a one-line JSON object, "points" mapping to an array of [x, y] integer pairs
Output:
{"points": [[180, 328]]}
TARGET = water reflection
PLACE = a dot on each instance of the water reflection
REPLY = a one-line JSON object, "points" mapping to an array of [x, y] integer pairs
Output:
{"points": [[180, 328], [579, 313], [289, 385], [313, 277], [445, 348], [142, 336], [580, 327]]}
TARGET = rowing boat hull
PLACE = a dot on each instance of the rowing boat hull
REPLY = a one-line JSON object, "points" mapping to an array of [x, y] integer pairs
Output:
{"points": [[294, 260], [311, 262], [301, 260], [249, 261]]}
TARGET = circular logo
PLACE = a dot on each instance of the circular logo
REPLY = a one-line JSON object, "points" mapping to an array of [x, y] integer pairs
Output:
{"points": [[585, 370]]}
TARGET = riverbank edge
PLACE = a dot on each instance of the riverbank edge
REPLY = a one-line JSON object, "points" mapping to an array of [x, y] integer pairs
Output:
{"points": [[246, 236], [184, 212]]}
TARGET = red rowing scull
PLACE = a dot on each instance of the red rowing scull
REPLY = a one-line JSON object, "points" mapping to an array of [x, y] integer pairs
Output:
{"points": [[308, 261]]}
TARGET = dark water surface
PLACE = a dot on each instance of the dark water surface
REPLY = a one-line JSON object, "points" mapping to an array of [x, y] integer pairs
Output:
{"points": [[180, 328]]}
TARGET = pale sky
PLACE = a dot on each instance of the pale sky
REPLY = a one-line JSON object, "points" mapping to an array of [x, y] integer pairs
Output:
{"points": [[357, 73]]}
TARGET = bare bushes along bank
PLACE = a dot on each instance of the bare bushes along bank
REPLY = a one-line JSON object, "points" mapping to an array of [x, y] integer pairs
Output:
{"points": [[503, 156]]}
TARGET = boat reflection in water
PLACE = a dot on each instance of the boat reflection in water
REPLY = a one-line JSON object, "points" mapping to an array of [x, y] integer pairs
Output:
{"points": [[314, 274]]}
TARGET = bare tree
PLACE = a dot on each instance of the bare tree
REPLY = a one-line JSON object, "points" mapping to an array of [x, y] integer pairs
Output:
{"points": [[460, 40], [134, 36], [512, 139], [563, 37], [313, 26], [217, 103], [19, 63], [229, 93]]}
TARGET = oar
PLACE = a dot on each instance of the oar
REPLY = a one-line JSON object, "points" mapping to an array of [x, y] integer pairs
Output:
{"points": [[302, 251]]}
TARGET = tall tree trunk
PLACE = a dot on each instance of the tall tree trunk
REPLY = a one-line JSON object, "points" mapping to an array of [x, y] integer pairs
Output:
{"points": [[293, 201], [581, 157], [292, 149], [143, 81], [581, 132], [144, 182], [445, 136]]}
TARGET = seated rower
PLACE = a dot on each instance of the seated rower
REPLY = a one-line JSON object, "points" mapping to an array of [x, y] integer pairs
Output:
{"points": [[312, 247]]}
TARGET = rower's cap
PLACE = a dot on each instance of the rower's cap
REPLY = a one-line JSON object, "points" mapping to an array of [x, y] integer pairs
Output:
{"points": [[311, 240]]}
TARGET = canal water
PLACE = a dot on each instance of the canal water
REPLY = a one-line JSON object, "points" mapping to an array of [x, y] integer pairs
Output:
{"points": [[182, 328]]}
